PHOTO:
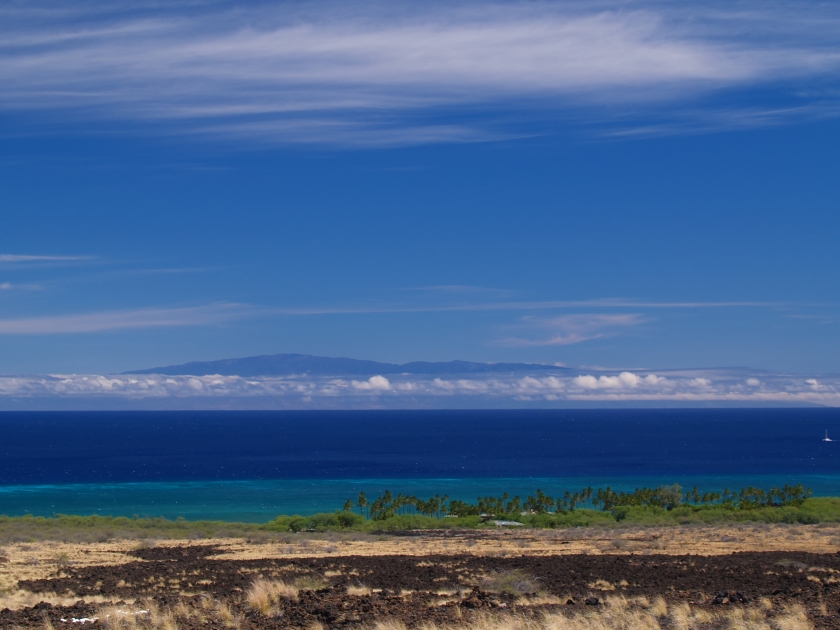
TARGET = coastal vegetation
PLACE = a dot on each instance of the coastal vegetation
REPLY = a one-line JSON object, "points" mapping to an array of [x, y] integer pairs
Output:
{"points": [[666, 497], [665, 505], [96, 528]]}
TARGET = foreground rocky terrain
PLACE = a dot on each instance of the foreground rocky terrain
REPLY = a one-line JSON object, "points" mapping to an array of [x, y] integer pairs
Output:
{"points": [[433, 579]]}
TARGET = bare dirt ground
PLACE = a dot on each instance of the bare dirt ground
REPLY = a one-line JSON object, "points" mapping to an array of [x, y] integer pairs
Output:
{"points": [[440, 578]]}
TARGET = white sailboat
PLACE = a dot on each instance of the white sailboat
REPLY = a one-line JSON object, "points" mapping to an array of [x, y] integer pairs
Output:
{"points": [[826, 438]]}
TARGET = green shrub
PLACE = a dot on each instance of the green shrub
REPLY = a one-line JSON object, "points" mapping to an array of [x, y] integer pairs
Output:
{"points": [[790, 504], [825, 509]]}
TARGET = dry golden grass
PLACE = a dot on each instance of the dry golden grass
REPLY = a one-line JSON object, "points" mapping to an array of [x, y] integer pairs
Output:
{"points": [[226, 616], [510, 582], [624, 617], [541, 599], [699, 540], [121, 617], [35, 561], [40, 560], [659, 607], [359, 590], [617, 602], [149, 616], [265, 596], [310, 583], [18, 599], [618, 613]]}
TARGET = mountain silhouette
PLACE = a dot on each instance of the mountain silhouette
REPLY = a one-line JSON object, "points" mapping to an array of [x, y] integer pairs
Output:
{"points": [[289, 364]]}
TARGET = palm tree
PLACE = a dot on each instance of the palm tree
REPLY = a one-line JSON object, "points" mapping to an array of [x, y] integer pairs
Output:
{"points": [[362, 502], [442, 503], [434, 505], [514, 505], [567, 501]]}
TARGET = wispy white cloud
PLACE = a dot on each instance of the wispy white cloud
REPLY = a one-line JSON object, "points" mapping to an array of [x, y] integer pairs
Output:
{"points": [[566, 329], [459, 289], [8, 286], [705, 120], [28, 258], [570, 329], [514, 305], [379, 73], [121, 320]]}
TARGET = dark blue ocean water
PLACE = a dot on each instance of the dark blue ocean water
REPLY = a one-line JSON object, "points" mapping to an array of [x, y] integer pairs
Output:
{"points": [[254, 465]]}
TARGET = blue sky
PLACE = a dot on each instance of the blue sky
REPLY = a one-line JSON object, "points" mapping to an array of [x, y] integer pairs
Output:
{"points": [[623, 185]]}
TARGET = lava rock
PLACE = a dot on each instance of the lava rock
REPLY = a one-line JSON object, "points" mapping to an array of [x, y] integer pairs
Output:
{"points": [[729, 597]]}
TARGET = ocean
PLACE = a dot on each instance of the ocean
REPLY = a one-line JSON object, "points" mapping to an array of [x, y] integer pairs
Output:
{"points": [[251, 466]]}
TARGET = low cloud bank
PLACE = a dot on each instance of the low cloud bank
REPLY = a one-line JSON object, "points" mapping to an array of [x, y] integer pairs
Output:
{"points": [[632, 387]]}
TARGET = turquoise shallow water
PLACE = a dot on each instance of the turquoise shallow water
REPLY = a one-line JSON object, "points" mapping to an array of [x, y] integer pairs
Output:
{"points": [[262, 500]]}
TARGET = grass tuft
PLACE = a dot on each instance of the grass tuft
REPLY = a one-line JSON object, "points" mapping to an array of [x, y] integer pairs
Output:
{"points": [[659, 607], [266, 596], [515, 583], [311, 583]]}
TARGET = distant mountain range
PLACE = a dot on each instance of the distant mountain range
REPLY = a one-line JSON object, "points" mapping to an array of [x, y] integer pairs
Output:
{"points": [[288, 364]]}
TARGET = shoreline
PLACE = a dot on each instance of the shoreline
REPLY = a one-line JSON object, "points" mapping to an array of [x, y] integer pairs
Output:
{"points": [[260, 500]]}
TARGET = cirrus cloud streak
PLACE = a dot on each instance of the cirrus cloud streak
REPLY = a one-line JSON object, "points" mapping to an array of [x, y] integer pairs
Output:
{"points": [[31, 258], [571, 329], [106, 321], [377, 74]]}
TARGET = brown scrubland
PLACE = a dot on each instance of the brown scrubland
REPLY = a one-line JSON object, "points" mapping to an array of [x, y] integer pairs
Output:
{"points": [[755, 576]]}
